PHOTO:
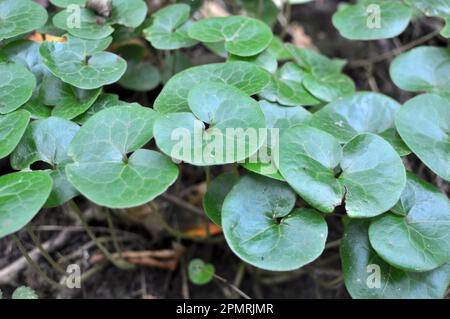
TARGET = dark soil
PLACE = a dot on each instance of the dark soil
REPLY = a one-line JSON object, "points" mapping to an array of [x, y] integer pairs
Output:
{"points": [[321, 279]]}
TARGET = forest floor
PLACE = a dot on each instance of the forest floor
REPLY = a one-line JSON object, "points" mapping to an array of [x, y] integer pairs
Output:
{"points": [[181, 238]]}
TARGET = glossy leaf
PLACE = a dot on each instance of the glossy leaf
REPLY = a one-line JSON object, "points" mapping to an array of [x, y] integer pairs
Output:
{"points": [[16, 86], [265, 10], [169, 30], [24, 293], [329, 88], [439, 8], [424, 124], [199, 272], [419, 238], [74, 101], [12, 128], [184, 136], [22, 194], [432, 74], [104, 171], [245, 76], [66, 3], [82, 63], [20, 16], [265, 60], [362, 266], [262, 228], [372, 20], [215, 195], [243, 36]]}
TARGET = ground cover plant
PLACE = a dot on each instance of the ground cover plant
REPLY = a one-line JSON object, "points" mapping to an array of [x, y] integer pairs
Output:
{"points": [[160, 132]]}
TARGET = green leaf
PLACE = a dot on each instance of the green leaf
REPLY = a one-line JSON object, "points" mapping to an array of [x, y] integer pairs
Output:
{"points": [[245, 76], [372, 177], [287, 92], [169, 30], [446, 30], [372, 20], [66, 3], [419, 238], [360, 261], [82, 63], [199, 272], [48, 141], [391, 135], [277, 48], [74, 101], [12, 128], [424, 124], [91, 26], [130, 13], [20, 16], [243, 36], [263, 230], [234, 122], [16, 86], [277, 117], [37, 109], [215, 195], [329, 88], [181, 63], [104, 101], [265, 60], [264, 10], [22, 194], [362, 112], [24, 293], [104, 171], [439, 8], [431, 75]]}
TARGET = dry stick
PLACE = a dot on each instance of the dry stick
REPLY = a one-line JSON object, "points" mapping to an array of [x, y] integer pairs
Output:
{"points": [[9, 273], [183, 204], [44, 252], [387, 55], [287, 18], [231, 286], [121, 264], [333, 244], [33, 264]]}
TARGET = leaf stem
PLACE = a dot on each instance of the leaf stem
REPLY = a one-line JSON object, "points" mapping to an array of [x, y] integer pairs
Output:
{"points": [[113, 233], [44, 252]]}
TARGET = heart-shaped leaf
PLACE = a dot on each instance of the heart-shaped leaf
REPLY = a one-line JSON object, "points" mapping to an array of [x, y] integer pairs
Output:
{"points": [[372, 176], [104, 171], [48, 141], [169, 30], [329, 88], [215, 195], [419, 238], [234, 120], [245, 76], [263, 230], [22, 194], [12, 128], [16, 86], [74, 101], [104, 101], [83, 63], [20, 16], [243, 36], [433, 72], [367, 276], [278, 118], [424, 124], [199, 272], [265, 60], [91, 25], [362, 112], [372, 20]]}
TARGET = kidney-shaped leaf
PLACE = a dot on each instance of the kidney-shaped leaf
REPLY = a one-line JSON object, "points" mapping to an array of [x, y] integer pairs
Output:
{"points": [[48, 141], [367, 276], [372, 176], [16, 86], [235, 121], [20, 16], [424, 124], [243, 36], [169, 29], [12, 128], [104, 171], [83, 63], [22, 194], [249, 78], [73, 101], [262, 228], [372, 20], [419, 240], [422, 69]]}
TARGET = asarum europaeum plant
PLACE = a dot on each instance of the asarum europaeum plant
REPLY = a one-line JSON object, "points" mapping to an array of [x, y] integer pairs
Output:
{"points": [[290, 116]]}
